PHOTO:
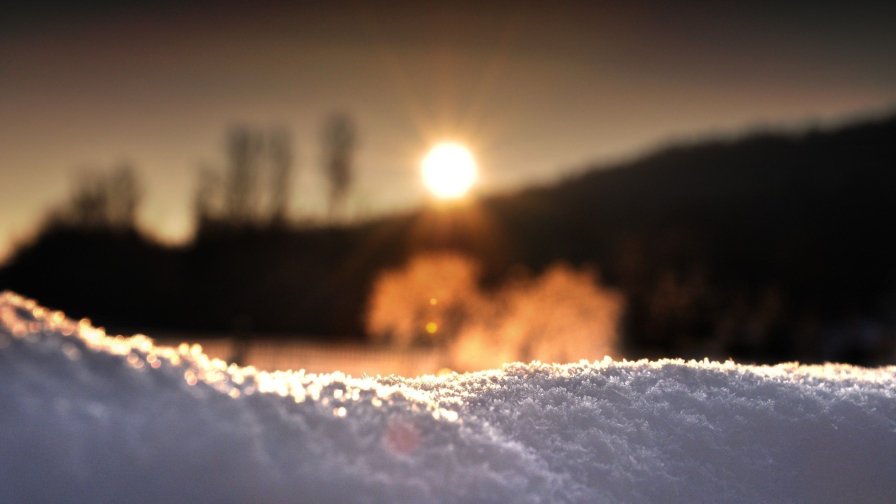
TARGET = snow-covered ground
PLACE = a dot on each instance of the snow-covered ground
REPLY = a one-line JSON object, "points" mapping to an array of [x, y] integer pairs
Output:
{"points": [[90, 418]]}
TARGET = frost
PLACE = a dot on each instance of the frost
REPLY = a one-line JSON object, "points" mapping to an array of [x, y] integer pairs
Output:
{"points": [[93, 418]]}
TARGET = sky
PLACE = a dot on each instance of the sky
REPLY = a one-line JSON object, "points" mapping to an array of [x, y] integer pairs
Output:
{"points": [[537, 90]]}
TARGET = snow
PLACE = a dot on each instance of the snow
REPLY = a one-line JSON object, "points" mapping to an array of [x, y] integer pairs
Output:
{"points": [[94, 418]]}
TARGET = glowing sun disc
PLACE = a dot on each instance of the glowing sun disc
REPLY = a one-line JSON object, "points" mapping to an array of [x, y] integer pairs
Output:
{"points": [[448, 170]]}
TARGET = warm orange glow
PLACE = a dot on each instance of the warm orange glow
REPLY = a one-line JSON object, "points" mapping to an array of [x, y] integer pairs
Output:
{"points": [[449, 170], [562, 315]]}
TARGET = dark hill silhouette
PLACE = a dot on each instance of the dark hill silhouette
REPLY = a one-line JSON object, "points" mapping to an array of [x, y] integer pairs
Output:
{"points": [[770, 247], [798, 222]]}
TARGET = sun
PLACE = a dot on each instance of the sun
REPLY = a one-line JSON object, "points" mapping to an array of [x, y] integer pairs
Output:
{"points": [[448, 170]]}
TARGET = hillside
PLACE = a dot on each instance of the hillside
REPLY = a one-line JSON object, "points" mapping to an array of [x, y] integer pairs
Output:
{"points": [[796, 226], [764, 248]]}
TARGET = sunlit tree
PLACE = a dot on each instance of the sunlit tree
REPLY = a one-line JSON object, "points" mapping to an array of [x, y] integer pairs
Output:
{"points": [[425, 301], [562, 315]]}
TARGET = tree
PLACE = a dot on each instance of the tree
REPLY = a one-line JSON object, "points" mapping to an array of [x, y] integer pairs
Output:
{"points": [[124, 195], [280, 159], [241, 199], [424, 302], [102, 200], [563, 315], [339, 143], [207, 201], [256, 188]]}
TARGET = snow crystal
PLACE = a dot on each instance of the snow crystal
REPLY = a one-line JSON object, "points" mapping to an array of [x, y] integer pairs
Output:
{"points": [[94, 418]]}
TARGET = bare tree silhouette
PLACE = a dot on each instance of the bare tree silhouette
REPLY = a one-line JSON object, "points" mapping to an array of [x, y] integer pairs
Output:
{"points": [[102, 200], [339, 143], [207, 202], [242, 184], [256, 189], [124, 194], [280, 156]]}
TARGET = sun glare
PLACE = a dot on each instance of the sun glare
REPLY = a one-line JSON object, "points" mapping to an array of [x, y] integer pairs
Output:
{"points": [[449, 170]]}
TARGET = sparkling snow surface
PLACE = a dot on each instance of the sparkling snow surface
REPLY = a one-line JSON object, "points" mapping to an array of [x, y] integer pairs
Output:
{"points": [[90, 418]]}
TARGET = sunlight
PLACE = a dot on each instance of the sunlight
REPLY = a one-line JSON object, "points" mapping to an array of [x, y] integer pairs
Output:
{"points": [[449, 170]]}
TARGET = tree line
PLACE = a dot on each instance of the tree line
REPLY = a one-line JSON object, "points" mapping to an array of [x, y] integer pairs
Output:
{"points": [[772, 247], [254, 187]]}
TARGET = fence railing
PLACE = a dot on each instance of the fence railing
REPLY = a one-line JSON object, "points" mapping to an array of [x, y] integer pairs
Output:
{"points": [[272, 354]]}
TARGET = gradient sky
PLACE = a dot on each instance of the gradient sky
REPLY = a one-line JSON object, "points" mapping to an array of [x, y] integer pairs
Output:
{"points": [[537, 89]]}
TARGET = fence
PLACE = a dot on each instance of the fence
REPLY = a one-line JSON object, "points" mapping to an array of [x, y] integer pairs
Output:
{"points": [[279, 354]]}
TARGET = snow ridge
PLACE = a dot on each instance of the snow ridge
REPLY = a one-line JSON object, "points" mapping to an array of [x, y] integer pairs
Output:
{"points": [[95, 418]]}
